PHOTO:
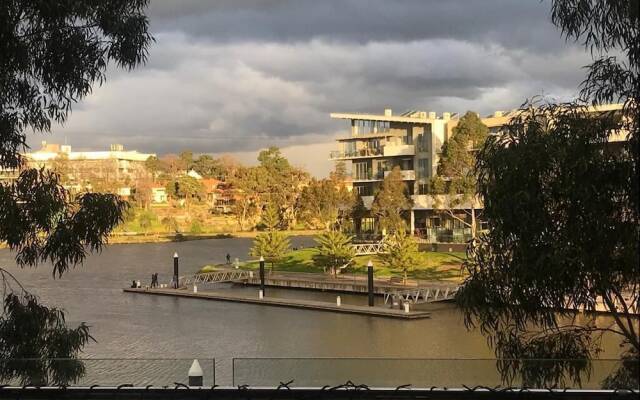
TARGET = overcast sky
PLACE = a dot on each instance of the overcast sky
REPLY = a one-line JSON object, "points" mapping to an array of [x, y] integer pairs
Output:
{"points": [[235, 76]]}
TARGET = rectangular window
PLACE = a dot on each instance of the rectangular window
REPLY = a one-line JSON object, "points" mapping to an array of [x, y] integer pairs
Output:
{"points": [[423, 168], [361, 171], [423, 188], [367, 225]]}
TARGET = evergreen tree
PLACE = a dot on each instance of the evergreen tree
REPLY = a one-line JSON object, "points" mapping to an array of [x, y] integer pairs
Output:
{"points": [[334, 251], [400, 252], [273, 245]]}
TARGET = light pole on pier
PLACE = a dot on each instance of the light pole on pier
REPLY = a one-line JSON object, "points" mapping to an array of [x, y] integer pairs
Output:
{"points": [[175, 270], [262, 275], [370, 282]]}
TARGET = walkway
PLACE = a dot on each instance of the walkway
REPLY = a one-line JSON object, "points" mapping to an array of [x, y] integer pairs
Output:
{"points": [[294, 303]]}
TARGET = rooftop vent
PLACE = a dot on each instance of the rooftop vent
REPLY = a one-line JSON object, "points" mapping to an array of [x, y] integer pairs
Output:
{"points": [[388, 112], [423, 114], [432, 115], [497, 114]]}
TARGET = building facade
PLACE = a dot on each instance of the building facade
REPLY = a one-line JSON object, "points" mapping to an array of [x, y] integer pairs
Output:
{"points": [[377, 143], [116, 170]]}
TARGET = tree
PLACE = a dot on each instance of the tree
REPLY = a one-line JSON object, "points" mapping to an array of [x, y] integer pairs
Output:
{"points": [[391, 200], [50, 56], [143, 194], [281, 183], [155, 166], [247, 182], [323, 202], [562, 207], [271, 218], [171, 224], [43, 337], [146, 220], [185, 187], [334, 251], [455, 186], [273, 244], [209, 167], [400, 252]]}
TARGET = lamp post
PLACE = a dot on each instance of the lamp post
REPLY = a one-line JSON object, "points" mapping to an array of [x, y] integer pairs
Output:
{"points": [[262, 275], [175, 270], [370, 282]]}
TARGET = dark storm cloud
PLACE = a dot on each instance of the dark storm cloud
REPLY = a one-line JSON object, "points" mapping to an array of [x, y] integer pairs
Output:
{"points": [[239, 75], [510, 22]]}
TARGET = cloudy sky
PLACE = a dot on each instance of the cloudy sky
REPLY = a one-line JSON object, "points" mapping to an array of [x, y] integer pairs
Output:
{"points": [[235, 76]]}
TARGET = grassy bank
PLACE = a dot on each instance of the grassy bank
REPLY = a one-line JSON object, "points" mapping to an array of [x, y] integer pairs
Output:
{"points": [[432, 266]]}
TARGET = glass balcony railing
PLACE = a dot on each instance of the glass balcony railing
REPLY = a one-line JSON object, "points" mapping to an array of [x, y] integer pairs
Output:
{"points": [[103, 372], [423, 373], [360, 153], [444, 235], [322, 372]]}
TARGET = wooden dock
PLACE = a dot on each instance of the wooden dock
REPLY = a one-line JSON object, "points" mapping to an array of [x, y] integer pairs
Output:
{"points": [[292, 303]]}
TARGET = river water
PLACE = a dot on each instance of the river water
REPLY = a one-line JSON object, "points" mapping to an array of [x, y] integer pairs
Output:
{"points": [[156, 327]]}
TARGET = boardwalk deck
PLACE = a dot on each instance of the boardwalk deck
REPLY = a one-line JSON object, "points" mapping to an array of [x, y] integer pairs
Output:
{"points": [[292, 303]]}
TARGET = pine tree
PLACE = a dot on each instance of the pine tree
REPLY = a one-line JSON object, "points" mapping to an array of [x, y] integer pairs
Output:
{"points": [[401, 252], [273, 245], [334, 251]]}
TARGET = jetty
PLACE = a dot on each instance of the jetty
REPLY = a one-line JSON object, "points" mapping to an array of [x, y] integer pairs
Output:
{"points": [[282, 302]]}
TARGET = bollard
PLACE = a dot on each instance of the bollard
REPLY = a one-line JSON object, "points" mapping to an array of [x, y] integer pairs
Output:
{"points": [[406, 307], [195, 289], [260, 294], [195, 374], [338, 301]]}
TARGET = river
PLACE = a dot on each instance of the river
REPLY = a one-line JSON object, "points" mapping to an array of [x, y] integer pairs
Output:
{"points": [[154, 327]]}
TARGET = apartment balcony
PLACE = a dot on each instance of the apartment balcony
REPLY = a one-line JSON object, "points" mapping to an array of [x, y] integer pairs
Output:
{"points": [[349, 155], [392, 150], [366, 177], [407, 174]]}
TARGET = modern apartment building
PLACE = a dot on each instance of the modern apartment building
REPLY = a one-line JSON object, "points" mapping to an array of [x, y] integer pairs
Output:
{"points": [[376, 143]]}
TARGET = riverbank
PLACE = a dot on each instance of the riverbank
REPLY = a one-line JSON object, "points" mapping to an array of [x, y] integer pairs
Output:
{"points": [[134, 237]]}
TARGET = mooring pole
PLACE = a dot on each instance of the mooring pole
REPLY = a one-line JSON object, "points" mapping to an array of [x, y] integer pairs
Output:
{"points": [[262, 275], [370, 282], [175, 270]]}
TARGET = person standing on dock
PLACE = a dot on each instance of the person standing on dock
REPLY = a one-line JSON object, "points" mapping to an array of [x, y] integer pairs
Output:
{"points": [[228, 259]]}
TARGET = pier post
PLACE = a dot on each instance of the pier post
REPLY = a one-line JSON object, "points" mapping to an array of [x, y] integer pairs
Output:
{"points": [[262, 275], [175, 270], [370, 282]]}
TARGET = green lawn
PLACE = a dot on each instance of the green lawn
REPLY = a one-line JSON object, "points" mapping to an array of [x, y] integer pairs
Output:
{"points": [[434, 266]]}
